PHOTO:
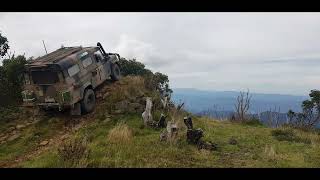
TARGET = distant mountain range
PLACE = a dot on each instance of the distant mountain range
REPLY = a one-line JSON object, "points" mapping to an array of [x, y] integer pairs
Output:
{"points": [[197, 101], [220, 104]]}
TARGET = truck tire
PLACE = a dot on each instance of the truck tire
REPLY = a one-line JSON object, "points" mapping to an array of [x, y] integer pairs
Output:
{"points": [[89, 101], [115, 72]]}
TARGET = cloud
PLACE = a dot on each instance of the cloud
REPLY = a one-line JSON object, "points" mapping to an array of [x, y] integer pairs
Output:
{"points": [[266, 52]]}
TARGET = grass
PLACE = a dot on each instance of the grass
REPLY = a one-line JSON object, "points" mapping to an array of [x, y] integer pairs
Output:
{"points": [[121, 142], [256, 147]]}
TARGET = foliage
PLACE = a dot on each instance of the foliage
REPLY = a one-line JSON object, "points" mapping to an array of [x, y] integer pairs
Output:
{"points": [[133, 67], [153, 81], [4, 46], [11, 80], [310, 115]]}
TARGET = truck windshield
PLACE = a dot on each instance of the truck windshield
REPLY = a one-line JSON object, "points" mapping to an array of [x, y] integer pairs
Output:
{"points": [[44, 77]]}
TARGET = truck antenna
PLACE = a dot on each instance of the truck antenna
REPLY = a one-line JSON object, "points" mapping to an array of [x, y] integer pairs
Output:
{"points": [[44, 47]]}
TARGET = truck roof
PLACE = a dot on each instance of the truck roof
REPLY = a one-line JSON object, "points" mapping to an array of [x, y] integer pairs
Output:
{"points": [[59, 57]]}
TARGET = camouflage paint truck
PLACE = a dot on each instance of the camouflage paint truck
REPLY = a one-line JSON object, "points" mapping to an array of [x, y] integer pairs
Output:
{"points": [[67, 78]]}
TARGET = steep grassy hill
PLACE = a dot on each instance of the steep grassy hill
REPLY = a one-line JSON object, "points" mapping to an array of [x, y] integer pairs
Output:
{"points": [[111, 138]]}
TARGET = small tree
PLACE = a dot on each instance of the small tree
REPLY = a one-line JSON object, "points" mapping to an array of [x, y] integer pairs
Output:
{"points": [[310, 115], [242, 105]]}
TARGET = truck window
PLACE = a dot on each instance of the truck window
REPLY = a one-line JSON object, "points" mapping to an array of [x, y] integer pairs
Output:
{"points": [[85, 59], [98, 56], [73, 70], [44, 77]]}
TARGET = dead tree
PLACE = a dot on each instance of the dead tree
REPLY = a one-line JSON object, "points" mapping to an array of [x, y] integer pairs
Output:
{"points": [[194, 136], [242, 105], [274, 117], [146, 115]]}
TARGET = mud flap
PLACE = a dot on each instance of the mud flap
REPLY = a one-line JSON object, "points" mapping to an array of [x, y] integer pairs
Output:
{"points": [[75, 110]]}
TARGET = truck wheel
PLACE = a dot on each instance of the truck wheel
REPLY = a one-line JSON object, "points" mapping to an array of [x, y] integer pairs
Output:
{"points": [[89, 101], [115, 72]]}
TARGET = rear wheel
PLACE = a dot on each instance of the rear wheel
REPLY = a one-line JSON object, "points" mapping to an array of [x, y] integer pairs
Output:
{"points": [[115, 72], [89, 101]]}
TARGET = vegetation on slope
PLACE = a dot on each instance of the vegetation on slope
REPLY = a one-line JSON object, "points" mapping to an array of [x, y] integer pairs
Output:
{"points": [[102, 139], [256, 147]]}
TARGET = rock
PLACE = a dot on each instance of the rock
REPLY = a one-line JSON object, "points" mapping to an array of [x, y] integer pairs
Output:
{"points": [[163, 135], [13, 137], [136, 105], [194, 135], [107, 115], [105, 95], [106, 120], [233, 141], [207, 145], [43, 143], [64, 137], [20, 126], [131, 109], [117, 111], [122, 105], [10, 129], [3, 138]]}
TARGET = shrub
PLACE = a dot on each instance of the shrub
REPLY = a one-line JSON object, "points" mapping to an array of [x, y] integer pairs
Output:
{"points": [[288, 135], [253, 122], [74, 153], [121, 133], [283, 134]]}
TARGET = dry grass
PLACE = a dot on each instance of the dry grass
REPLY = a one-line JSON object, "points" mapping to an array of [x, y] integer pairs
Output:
{"points": [[74, 153], [270, 153], [121, 133]]}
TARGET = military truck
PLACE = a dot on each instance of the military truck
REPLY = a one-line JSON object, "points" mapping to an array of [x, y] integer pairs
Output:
{"points": [[67, 78]]}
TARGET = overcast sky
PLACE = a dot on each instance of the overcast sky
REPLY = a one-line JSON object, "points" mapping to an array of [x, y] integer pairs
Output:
{"points": [[265, 52]]}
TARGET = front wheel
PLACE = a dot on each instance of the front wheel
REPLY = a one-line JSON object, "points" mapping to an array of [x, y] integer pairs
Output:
{"points": [[89, 101], [115, 72]]}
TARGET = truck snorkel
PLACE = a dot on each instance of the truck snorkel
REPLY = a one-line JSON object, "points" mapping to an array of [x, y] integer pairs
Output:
{"points": [[106, 55]]}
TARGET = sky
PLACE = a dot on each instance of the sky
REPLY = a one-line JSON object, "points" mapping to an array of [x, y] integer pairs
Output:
{"points": [[276, 53]]}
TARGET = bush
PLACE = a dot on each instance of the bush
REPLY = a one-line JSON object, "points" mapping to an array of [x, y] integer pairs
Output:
{"points": [[11, 80], [121, 133], [253, 122], [74, 153], [288, 135], [153, 81], [283, 134]]}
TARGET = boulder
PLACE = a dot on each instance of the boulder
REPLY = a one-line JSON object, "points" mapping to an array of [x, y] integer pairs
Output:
{"points": [[10, 129], [20, 126], [106, 95], [233, 141], [122, 105], [13, 137], [43, 143], [118, 111]]}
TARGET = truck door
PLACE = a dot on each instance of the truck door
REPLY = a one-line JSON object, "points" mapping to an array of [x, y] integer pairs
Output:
{"points": [[102, 74]]}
